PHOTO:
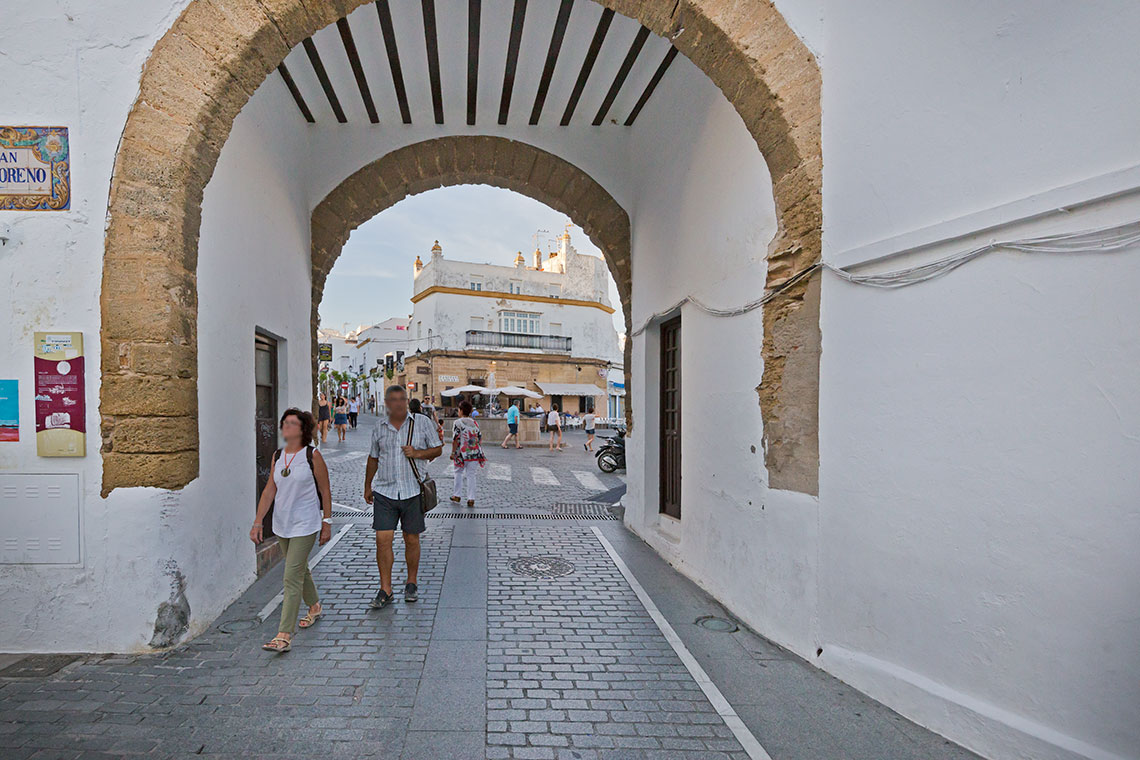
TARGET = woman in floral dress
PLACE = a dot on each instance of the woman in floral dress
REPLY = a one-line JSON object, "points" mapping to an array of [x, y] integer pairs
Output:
{"points": [[466, 452]]}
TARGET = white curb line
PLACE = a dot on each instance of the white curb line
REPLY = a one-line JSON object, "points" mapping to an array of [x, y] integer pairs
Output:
{"points": [[267, 610], [723, 708]]}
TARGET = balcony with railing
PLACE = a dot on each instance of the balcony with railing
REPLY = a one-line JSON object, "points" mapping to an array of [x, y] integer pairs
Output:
{"points": [[491, 339]]}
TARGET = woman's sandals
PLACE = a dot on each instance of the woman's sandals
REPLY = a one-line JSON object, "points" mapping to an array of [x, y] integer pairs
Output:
{"points": [[310, 618], [278, 644]]}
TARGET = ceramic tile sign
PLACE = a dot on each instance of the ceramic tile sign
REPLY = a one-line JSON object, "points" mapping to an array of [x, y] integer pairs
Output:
{"points": [[35, 169], [61, 418], [9, 411]]}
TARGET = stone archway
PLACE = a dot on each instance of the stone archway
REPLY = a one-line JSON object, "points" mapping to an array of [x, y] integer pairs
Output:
{"points": [[207, 66], [461, 160]]}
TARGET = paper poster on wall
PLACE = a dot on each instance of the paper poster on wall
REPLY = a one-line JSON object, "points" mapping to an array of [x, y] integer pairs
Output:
{"points": [[61, 418], [9, 410], [35, 169]]}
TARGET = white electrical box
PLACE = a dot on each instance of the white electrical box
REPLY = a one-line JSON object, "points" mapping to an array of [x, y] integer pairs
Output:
{"points": [[39, 519]]}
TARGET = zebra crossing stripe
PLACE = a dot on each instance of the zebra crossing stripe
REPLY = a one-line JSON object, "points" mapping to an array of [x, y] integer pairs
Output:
{"points": [[499, 471], [543, 477], [589, 481]]}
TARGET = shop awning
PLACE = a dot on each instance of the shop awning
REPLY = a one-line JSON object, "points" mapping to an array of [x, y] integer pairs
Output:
{"points": [[571, 389]]}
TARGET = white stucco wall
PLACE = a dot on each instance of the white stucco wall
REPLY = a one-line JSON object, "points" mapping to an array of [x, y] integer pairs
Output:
{"points": [[253, 274], [977, 518], [712, 202], [78, 67]]}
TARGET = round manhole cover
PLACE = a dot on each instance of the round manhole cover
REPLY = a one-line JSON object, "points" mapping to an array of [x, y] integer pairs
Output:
{"points": [[237, 626], [721, 625], [542, 567]]}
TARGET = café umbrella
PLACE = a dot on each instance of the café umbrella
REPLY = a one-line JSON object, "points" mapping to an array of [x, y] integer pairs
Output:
{"points": [[513, 390], [463, 389]]}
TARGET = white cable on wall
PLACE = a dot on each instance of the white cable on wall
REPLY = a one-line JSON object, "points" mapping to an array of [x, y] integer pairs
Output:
{"points": [[1100, 240]]}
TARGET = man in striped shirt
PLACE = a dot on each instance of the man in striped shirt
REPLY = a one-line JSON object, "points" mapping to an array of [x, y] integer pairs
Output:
{"points": [[398, 437]]}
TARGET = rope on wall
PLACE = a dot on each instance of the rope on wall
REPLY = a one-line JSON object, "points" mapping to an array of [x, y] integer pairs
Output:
{"points": [[1099, 240]]}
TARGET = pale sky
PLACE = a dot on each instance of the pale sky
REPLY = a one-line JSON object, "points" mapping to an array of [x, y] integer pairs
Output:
{"points": [[372, 279]]}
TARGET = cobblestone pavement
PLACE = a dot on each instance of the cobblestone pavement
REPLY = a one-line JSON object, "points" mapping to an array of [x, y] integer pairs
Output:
{"points": [[526, 642], [528, 478]]}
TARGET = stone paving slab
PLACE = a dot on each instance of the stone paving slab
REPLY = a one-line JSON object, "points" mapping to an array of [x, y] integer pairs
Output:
{"points": [[491, 663]]}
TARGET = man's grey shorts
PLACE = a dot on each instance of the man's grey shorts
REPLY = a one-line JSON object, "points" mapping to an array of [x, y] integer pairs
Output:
{"points": [[387, 513]]}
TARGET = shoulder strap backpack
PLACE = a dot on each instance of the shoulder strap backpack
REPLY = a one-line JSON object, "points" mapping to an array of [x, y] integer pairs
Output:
{"points": [[428, 496]]}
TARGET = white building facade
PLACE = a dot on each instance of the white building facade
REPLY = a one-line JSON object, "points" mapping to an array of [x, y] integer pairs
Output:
{"points": [[561, 301]]}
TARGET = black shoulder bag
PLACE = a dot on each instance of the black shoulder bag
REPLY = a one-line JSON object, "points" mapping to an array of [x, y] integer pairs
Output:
{"points": [[428, 496]]}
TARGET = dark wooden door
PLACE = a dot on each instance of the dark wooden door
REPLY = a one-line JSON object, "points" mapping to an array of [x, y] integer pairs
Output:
{"points": [[671, 417], [265, 412]]}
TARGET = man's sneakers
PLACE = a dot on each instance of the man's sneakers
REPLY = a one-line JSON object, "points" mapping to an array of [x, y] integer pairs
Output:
{"points": [[382, 600]]}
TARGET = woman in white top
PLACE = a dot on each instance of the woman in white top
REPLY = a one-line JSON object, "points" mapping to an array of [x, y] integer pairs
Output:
{"points": [[301, 498], [554, 425]]}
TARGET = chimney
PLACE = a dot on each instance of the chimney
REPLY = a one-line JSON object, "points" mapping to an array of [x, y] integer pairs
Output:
{"points": [[537, 259], [520, 262], [436, 251], [564, 244], [418, 266]]}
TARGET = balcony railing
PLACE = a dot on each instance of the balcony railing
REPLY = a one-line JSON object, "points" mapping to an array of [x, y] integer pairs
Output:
{"points": [[490, 339]]}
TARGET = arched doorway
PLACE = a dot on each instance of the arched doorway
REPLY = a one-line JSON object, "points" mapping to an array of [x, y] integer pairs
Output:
{"points": [[204, 70], [461, 159]]}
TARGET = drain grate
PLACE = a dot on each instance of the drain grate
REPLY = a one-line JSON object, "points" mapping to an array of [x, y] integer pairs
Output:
{"points": [[238, 625], [542, 567], [517, 516], [587, 510], [37, 665], [718, 624], [350, 513]]}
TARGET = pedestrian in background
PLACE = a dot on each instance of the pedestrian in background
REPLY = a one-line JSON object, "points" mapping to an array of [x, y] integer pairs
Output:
{"points": [[554, 425], [513, 425], [415, 406], [340, 418], [588, 424], [299, 493], [353, 411], [324, 416], [466, 452]]}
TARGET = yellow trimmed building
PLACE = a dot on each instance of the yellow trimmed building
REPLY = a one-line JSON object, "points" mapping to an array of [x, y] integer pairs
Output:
{"points": [[545, 325]]}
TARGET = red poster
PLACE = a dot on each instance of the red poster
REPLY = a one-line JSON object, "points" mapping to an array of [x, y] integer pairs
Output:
{"points": [[61, 418]]}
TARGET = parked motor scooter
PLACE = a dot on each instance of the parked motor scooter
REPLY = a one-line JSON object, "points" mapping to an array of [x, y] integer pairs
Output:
{"points": [[611, 455]]}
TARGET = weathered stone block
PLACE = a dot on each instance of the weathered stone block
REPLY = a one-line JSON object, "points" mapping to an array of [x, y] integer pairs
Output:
{"points": [[154, 435], [149, 395], [155, 470]]}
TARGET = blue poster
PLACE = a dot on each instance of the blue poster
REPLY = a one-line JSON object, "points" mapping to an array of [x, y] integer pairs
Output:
{"points": [[9, 411]]}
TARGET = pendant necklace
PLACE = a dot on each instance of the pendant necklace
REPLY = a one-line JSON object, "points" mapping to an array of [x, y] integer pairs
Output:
{"points": [[289, 461]]}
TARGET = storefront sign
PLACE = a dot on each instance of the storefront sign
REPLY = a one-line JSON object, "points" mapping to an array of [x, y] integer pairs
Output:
{"points": [[61, 418], [324, 352], [449, 378], [422, 370], [35, 170], [9, 411]]}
